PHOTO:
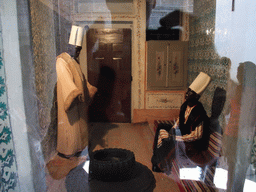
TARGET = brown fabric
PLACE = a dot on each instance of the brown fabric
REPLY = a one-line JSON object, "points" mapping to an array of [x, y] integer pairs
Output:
{"points": [[73, 98], [59, 167]]}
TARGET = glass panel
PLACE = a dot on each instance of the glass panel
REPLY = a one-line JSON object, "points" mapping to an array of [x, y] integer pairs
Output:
{"points": [[76, 111]]}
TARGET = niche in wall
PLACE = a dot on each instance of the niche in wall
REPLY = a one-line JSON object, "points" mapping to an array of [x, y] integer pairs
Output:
{"points": [[165, 19]]}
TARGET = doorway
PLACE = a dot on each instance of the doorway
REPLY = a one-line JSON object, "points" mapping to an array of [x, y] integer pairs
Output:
{"points": [[109, 69]]}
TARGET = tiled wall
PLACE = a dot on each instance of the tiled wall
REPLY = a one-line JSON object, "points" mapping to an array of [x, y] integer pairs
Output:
{"points": [[202, 54], [44, 50], [8, 167], [47, 33], [50, 25]]}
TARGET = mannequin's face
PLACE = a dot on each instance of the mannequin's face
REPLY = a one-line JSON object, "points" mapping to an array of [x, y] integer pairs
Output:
{"points": [[77, 51], [71, 49], [192, 97], [190, 94]]}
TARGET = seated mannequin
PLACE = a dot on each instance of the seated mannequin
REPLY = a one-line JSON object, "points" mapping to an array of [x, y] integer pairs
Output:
{"points": [[191, 127]]}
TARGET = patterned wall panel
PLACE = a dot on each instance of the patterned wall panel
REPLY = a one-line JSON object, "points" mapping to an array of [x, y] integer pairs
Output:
{"points": [[44, 25], [8, 167], [202, 53], [46, 38], [44, 49]]}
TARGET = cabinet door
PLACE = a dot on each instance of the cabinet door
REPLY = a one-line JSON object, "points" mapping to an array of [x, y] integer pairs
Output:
{"points": [[166, 65], [157, 64], [177, 61]]}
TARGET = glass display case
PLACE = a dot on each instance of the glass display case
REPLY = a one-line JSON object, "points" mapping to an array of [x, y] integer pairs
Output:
{"points": [[62, 101]]}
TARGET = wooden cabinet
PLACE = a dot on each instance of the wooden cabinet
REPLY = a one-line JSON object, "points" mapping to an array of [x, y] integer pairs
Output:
{"points": [[167, 65]]}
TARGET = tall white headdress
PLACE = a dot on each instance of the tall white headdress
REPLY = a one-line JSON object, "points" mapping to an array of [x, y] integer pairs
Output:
{"points": [[200, 83], [76, 35]]}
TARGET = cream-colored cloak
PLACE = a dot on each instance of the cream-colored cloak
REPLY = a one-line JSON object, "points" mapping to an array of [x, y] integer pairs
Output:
{"points": [[73, 96]]}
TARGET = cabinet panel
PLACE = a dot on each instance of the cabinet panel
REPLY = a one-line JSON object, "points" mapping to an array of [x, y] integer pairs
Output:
{"points": [[157, 67], [164, 100], [167, 65]]}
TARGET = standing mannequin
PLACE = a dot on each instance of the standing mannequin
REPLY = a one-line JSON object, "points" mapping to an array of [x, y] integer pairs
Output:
{"points": [[74, 94]]}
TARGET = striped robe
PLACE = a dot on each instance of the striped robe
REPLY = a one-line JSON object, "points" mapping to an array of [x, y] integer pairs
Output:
{"points": [[193, 125]]}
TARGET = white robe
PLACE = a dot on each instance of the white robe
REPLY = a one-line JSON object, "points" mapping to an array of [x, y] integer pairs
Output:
{"points": [[73, 96]]}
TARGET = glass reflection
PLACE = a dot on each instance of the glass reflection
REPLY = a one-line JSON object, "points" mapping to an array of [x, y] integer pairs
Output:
{"points": [[221, 37]]}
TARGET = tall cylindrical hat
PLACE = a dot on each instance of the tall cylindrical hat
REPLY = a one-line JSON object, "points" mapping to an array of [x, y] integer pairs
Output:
{"points": [[200, 83], [76, 35]]}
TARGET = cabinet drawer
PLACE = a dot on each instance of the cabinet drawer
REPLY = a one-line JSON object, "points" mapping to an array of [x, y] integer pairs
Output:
{"points": [[164, 100]]}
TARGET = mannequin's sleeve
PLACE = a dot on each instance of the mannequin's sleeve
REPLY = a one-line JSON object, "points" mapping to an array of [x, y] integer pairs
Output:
{"points": [[176, 124], [65, 80], [194, 135], [92, 90], [163, 134]]}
